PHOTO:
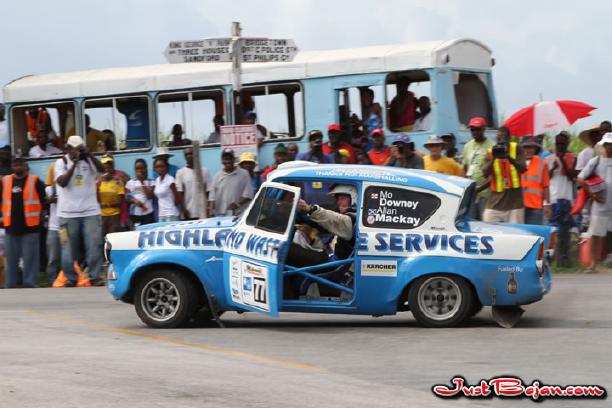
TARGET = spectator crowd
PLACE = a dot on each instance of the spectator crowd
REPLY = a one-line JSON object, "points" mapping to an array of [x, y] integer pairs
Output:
{"points": [[63, 220]]}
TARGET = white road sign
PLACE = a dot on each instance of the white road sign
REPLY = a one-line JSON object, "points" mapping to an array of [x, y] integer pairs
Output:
{"points": [[209, 50], [218, 50]]}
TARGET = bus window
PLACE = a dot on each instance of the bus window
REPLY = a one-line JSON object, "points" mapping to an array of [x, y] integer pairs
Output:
{"points": [[278, 108], [115, 124], [472, 97], [52, 120], [359, 112], [186, 116], [408, 101]]}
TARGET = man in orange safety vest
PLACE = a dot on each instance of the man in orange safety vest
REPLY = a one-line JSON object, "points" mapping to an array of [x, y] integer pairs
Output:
{"points": [[535, 182]]}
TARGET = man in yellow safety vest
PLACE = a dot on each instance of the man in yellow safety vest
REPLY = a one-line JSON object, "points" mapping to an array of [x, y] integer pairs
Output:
{"points": [[505, 164]]}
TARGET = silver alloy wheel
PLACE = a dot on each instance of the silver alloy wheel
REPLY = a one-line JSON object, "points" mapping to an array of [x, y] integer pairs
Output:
{"points": [[439, 298], [160, 299]]}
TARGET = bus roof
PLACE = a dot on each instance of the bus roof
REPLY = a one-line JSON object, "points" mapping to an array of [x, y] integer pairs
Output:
{"points": [[458, 53], [427, 180]]}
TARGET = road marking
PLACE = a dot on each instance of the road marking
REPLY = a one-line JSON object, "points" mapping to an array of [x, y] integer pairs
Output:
{"points": [[168, 340]]}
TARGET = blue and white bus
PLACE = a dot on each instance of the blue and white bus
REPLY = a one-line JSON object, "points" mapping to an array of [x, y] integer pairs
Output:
{"points": [[140, 105]]}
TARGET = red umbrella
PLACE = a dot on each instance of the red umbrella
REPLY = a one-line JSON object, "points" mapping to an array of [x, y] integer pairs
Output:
{"points": [[546, 115]]}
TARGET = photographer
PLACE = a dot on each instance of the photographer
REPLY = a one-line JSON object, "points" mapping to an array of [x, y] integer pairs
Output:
{"points": [[78, 208], [403, 155], [504, 166], [315, 153]]}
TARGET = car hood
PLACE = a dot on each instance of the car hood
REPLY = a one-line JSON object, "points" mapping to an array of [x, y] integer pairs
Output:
{"points": [[216, 222]]}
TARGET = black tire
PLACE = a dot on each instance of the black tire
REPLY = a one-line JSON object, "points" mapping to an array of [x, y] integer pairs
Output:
{"points": [[441, 300], [165, 299], [477, 307]]}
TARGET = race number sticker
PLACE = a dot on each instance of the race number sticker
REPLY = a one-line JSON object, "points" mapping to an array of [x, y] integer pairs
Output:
{"points": [[249, 284], [397, 208]]}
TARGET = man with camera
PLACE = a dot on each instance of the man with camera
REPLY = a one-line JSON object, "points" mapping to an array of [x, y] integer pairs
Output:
{"points": [[315, 152], [78, 208], [504, 166], [403, 154]]}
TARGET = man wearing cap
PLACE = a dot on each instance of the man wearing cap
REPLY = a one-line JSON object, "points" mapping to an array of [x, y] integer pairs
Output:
{"points": [[248, 162], [280, 156], [600, 226], [78, 208], [187, 185], [535, 182], [23, 201], [474, 157], [435, 161], [315, 152], [164, 153], [379, 153], [403, 155], [504, 166], [231, 187], [336, 148]]}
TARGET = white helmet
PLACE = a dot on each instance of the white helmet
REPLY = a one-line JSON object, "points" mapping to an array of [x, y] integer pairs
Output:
{"points": [[345, 189]]}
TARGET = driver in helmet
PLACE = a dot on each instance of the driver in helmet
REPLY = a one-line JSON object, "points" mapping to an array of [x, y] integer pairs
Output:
{"points": [[338, 223]]}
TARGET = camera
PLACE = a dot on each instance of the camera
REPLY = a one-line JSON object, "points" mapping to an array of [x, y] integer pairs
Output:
{"points": [[82, 155], [500, 151]]}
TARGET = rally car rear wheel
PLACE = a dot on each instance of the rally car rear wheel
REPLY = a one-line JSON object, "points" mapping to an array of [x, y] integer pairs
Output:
{"points": [[441, 300], [165, 299]]}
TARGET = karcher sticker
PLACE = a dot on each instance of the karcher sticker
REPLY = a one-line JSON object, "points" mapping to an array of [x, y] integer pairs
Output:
{"points": [[372, 267]]}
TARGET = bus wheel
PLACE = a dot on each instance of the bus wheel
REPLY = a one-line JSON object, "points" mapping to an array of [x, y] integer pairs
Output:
{"points": [[165, 299], [441, 300]]}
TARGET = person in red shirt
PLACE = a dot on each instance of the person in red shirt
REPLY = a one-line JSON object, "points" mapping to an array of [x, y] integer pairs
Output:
{"points": [[379, 153], [340, 151], [402, 111]]}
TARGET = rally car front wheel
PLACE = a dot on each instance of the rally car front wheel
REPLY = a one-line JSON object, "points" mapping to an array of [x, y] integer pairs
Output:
{"points": [[441, 300], [165, 299]]}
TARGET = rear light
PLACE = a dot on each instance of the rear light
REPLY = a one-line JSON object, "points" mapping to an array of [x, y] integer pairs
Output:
{"points": [[553, 240], [541, 251], [540, 258]]}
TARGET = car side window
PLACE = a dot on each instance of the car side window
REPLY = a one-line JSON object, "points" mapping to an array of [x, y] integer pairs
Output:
{"points": [[397, 208], [271, 210]]}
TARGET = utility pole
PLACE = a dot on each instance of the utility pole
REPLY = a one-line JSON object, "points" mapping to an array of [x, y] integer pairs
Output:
{"points": [[236, 51]]}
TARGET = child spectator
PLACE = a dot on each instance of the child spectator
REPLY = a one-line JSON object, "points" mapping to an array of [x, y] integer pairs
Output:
{"points": [[140, 195]]}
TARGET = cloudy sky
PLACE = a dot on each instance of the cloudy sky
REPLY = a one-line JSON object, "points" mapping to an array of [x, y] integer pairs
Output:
{"points": [[556, 49]]}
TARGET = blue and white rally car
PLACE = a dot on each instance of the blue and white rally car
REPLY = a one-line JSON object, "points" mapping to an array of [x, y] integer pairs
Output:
{"points": [[414, 248]]}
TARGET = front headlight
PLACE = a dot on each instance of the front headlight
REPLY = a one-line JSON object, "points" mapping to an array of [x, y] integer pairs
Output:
{"points": [[107, 250]]}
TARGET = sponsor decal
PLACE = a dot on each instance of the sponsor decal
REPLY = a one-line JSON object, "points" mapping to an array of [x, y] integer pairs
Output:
{"points": [[192, 238], [201, 238], [249, 283], [372, 267], [397, 208], [515, 387], [420, 243]]}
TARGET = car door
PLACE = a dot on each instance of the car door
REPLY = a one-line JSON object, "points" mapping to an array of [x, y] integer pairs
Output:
{"points": [[255, 250]]}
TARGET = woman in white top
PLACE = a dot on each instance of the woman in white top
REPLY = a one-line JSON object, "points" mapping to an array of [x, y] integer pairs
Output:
{"points": [[165, 191], [140, 195]]}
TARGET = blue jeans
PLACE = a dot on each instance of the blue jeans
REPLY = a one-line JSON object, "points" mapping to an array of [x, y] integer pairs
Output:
{"points": [[89, 231], [59, 257], [24, 246], [534, 216]]}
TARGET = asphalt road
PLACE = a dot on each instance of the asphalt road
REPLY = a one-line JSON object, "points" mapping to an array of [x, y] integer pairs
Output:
{"points": [[78, 348]]}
